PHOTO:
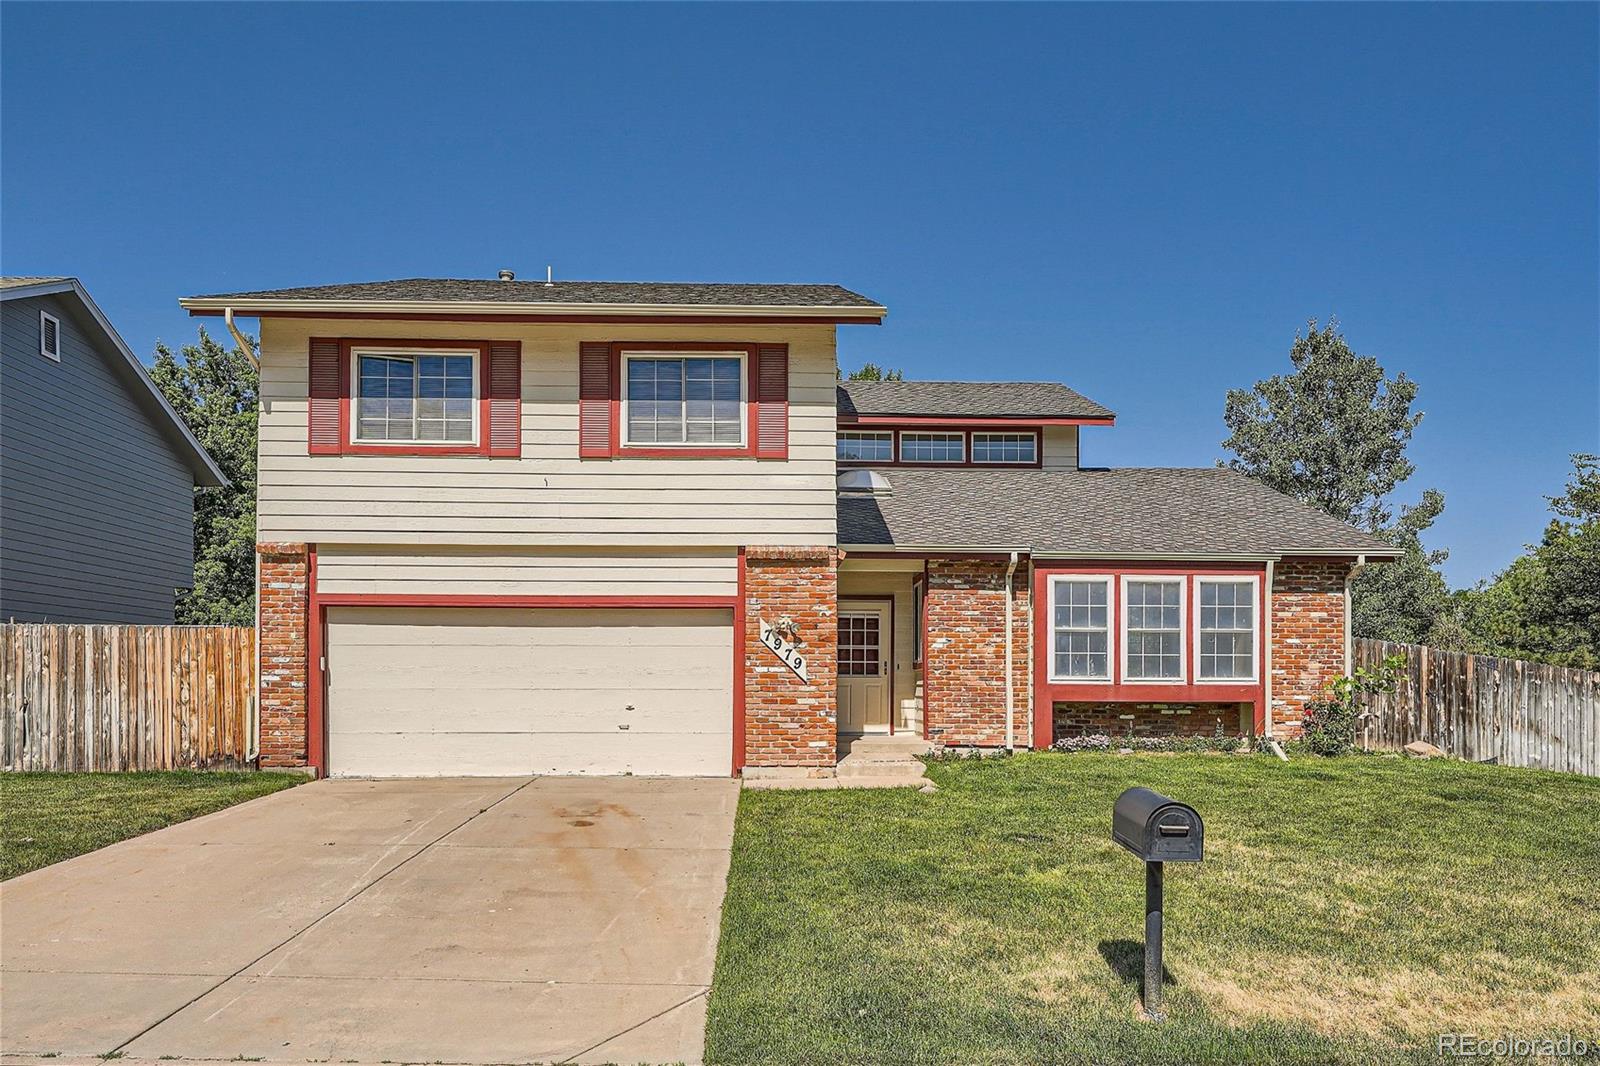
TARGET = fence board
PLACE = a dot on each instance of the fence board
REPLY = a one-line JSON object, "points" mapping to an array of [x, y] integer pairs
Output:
{"points": [[1481, 707], [125, 697]]}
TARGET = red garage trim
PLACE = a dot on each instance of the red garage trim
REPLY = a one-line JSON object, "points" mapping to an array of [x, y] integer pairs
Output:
{"points": [[318, 604], [1048, 692]]}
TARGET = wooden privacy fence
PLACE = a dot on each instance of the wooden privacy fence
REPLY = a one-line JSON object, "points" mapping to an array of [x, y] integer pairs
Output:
{"points": [[1480, 707], [125, 697]]}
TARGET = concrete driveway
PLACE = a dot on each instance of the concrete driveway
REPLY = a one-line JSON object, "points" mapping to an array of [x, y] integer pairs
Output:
{"points": [[458, 920]]}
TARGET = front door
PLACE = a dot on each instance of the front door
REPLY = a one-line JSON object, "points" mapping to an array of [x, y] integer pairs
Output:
{"points": [[864, 669]]}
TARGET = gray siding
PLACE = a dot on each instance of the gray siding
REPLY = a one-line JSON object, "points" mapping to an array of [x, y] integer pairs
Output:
{"points": [[96, 508]]}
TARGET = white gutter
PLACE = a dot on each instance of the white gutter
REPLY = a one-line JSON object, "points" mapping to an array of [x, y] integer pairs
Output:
{"points": [[1349, 647], [239, 338], [1002, 549], [1011, 726], [254, 308], [1266, 665]]}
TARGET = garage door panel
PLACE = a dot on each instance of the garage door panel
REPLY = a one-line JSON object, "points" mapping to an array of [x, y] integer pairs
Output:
{"points": [[498, 691]]}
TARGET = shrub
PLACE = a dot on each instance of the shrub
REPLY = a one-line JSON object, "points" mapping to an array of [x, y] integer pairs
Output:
{"points": [[1329, 727]]}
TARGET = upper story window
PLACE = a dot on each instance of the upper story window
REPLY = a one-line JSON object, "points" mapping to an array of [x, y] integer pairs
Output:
{"points": [[416, 397], [684, 400], [49, 336], [866, 447], [1227, 629], [1081, 621], [1005, 448], [1153, 629], [933, 447]]}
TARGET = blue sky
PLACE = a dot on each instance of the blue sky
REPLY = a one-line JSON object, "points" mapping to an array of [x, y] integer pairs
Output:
{"points": [[1142, 201]]}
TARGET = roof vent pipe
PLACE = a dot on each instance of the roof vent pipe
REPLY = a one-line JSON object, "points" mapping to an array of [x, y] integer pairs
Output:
{"points": [[508, 275], [549, 277]]}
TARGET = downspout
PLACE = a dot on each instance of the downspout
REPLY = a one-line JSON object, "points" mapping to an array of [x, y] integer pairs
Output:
{"points": [[1349, 645], [1266, 671], [1011, 725], [252, 740]]}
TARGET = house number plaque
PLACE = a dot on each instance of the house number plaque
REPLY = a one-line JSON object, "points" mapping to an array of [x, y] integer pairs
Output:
{"points": [[784, 650]]}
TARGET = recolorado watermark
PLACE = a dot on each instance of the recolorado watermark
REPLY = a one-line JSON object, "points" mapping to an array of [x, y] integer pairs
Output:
{"points": [[1473, 1046]]}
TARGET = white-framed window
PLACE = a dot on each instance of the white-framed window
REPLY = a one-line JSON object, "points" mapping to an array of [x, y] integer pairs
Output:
{"points": [[1080, 620], [1005, 448], [49, 336], [415, 396], [677, 399], [859, 447], [1152, 628], [1227, 621], [933, 447]]}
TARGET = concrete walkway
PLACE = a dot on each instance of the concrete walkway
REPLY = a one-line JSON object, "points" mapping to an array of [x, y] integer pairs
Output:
{"points": [[457, 920]]}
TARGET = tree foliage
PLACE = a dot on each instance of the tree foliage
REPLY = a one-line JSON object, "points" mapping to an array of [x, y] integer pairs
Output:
{"points": [[213, 389], [1333, 432], [1546, 605], [1407, 600], [874, 372]]}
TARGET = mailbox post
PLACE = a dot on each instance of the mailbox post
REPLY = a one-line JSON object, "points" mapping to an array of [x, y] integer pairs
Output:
{"points": [[1158, 830]]}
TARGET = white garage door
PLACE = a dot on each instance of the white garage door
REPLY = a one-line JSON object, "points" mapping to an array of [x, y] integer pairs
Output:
{"points": [[451, 690]]}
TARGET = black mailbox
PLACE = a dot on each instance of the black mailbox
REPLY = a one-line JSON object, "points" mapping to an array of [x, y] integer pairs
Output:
{"points": [[1157, 829]]}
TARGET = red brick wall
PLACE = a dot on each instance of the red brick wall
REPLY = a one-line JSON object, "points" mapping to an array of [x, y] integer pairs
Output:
{"points": [[787, 721], [1148, 719], [1307, 636], [283, 601], [964, 662]]}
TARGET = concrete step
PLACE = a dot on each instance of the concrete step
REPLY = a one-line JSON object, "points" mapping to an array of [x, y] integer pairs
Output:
{"points": [[807, 784], [877, 743], [855, 766]]}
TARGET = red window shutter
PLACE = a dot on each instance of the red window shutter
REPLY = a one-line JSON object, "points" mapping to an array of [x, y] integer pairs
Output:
{"points": [[772, 401], [505, 398], [324, 397], [594, 400]]}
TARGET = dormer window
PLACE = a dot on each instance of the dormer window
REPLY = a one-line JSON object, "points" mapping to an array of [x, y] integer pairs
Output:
{"points": [[866, 447], [933, 447], [1002, 448]]}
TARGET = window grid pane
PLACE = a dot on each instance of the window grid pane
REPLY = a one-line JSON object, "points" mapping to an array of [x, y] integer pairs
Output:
{"points": [[1155, 630], [693, 400], [859, 645], [1227, 630], [1082, 628], [412, 398], [866, 447], [932, 447], [1004, 448]]}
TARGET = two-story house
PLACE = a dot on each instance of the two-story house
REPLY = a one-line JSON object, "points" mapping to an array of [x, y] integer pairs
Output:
{"points": [[596, 527]]}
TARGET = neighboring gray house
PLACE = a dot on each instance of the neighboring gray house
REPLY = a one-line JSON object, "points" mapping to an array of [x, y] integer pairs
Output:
{"points": [[97, 472]]}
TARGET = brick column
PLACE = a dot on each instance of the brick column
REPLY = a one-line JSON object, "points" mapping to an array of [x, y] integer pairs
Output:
{"points": [[1307, 636], [787, 721], [284, 592], [964, 663]]}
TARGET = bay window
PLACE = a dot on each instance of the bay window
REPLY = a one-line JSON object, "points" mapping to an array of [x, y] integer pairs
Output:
{"points": [[1153, 628], [1226, 629], [1081, 628]]}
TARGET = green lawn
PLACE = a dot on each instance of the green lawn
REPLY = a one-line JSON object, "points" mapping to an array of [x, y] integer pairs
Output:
{"points": [[1348, 910], [46, 817]]}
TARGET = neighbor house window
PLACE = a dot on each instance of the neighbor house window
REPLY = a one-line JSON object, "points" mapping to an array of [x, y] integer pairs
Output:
{"points": [[416, 397], [1153, 629], [1005, 448], [1227, 629], [677, 399], [1081, 621], [866, 447], [49, 336], [933, 447]]}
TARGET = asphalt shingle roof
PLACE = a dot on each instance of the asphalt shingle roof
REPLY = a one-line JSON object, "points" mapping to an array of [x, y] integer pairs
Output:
{"points": [[967, 399], [21, 282], [1141, 511], [488, 290]]}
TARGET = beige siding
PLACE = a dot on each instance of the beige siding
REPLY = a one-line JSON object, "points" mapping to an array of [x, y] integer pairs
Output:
{"points": [[549, 496], [857, 580], [447, 691], [1060, 448], [509, 571]]}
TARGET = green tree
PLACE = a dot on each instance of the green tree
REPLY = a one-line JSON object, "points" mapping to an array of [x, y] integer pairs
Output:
{"points": [[1333, 432], [874, 372], [214, 390], [1546, 605]]}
